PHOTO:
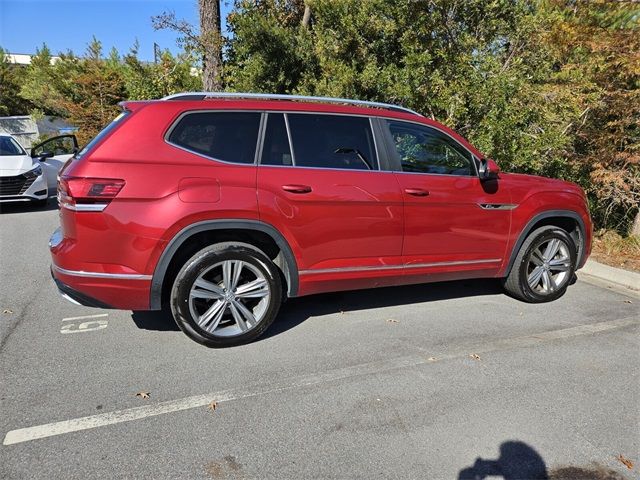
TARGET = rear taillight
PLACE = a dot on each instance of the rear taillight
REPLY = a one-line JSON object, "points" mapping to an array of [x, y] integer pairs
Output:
{"points": [[73, 192]]}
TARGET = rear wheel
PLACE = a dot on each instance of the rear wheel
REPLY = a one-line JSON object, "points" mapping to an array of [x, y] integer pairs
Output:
{"points": [[226, 295], [544, 267]]}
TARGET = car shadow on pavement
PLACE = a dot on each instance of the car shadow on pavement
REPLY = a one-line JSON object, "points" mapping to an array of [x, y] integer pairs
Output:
{"points": [[158, 320], [519, 461], [23, 207], [297, 310]]}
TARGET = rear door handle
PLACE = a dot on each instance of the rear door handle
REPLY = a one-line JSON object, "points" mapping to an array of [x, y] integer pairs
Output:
{"points": [[297, 188], [417, 192]]}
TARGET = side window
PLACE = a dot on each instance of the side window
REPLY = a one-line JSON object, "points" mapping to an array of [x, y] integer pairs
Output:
{"points": [[426, 150], [332, 141], [226, 136], [276, 149], [61, 145]]}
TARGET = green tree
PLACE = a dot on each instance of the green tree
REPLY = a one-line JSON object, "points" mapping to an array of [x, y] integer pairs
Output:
{"points": [[11, 77], [546, 87]]}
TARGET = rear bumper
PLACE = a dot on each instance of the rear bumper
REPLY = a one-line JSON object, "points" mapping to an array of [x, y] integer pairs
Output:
{"points": [[96, 286], [76, 297]]}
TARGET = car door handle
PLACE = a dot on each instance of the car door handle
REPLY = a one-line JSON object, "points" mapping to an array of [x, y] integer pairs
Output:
{"points": [[297, 188], [417, 192]]}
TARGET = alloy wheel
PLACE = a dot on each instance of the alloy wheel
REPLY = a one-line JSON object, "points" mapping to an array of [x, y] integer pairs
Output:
{"points": [[229, 298], [549, 266]]}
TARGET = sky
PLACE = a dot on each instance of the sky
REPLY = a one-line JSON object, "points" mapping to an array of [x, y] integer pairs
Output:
{"points": [[70, 24]]}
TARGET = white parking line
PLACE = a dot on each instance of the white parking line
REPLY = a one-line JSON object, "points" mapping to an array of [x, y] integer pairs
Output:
{"points": [[138, 413], [99, 315]]}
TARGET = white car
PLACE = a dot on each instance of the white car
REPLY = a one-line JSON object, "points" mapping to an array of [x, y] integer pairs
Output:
{"points": [[33, 177]]}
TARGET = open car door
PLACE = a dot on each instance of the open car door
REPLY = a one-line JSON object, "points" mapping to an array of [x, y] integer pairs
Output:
{"points": [[53, 154]]}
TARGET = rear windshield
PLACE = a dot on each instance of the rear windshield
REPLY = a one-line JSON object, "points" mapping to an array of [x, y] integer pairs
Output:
{"points": [[105, 131], [8, 146]]}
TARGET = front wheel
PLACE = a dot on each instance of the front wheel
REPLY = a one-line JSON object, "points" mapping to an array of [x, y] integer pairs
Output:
{"points": [[226, 295], [544, 266]]}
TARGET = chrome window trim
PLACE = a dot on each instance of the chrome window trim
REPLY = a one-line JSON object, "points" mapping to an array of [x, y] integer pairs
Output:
{"points": [[473, 155], [293, 154], [398, 267], [262, 128], [119, 276]]}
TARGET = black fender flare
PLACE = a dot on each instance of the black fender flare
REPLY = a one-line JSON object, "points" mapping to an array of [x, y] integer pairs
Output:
{"points": [[541, 216], [227, 224]]}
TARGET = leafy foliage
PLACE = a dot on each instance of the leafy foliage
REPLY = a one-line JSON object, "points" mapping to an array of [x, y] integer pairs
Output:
{"points": [[86, 90], [546, 87]]}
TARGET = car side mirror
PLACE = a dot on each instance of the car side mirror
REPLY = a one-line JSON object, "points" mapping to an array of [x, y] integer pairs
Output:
{"points": [[44, 155], [488, 170]]}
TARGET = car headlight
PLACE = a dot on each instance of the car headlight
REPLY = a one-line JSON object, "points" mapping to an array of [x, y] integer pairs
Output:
{"points": [[35, 172]]}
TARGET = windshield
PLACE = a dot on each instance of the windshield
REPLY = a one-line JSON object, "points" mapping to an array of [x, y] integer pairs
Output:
{"points": [[8, 146], [102, 134]]}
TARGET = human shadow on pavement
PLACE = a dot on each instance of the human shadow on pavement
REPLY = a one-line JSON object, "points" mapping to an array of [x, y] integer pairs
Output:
{"points": [[519, 461], [296, 310]]}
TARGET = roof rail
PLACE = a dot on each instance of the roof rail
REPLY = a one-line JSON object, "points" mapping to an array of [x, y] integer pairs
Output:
{"points": [[278, 96]]}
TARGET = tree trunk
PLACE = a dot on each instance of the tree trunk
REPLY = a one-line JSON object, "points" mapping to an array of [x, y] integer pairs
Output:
{"points": [[635, 228], [211, 39], [307, 15]]}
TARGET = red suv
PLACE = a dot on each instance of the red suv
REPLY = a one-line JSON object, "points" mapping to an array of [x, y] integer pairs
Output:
{"points": [[221, 206]]}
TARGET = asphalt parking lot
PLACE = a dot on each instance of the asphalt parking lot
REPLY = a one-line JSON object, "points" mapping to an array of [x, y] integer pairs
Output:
{"points": [[442, 381]]}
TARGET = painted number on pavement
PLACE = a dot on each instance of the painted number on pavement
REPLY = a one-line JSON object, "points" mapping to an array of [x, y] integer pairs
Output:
{"points": [[89, 323]]}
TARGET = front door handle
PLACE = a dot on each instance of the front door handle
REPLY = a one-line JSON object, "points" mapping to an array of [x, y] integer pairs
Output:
{"points": [[297, 188], [417, 192]]}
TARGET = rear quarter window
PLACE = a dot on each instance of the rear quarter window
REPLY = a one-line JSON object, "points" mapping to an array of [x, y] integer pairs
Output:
{"points": [[227, 136]]}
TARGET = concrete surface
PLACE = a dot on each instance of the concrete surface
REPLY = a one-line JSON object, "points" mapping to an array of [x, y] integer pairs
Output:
{"points": [[334, 390], [618, 276]]}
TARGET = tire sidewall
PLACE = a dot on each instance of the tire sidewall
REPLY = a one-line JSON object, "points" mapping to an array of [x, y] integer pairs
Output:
{"points": [[526, 290], [205, 259]]}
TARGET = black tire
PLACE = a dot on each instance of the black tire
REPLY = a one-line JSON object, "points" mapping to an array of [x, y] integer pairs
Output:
{"points": [[206, 262], [517, 282]]}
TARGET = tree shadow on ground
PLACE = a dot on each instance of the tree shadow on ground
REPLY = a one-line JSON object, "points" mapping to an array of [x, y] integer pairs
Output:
{"points": [[519, 461]]}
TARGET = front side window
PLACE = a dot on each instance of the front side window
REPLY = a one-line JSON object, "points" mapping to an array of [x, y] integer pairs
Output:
{"points": [[226, 136], [424, 149], [61, 145], [8, 147], [332, 141]]}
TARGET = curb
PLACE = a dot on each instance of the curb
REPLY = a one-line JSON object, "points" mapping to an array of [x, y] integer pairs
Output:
{"points": [[622, 278]]}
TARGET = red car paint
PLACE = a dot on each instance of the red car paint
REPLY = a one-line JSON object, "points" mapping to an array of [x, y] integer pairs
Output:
{"points": [[346, 229]]}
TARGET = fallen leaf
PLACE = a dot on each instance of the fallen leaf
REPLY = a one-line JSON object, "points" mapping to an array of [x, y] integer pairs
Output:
{"points": [[628, 463], [143, 395], [392, 320], [212, 405], [6, 310], [432, 359], [475, 356]]}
